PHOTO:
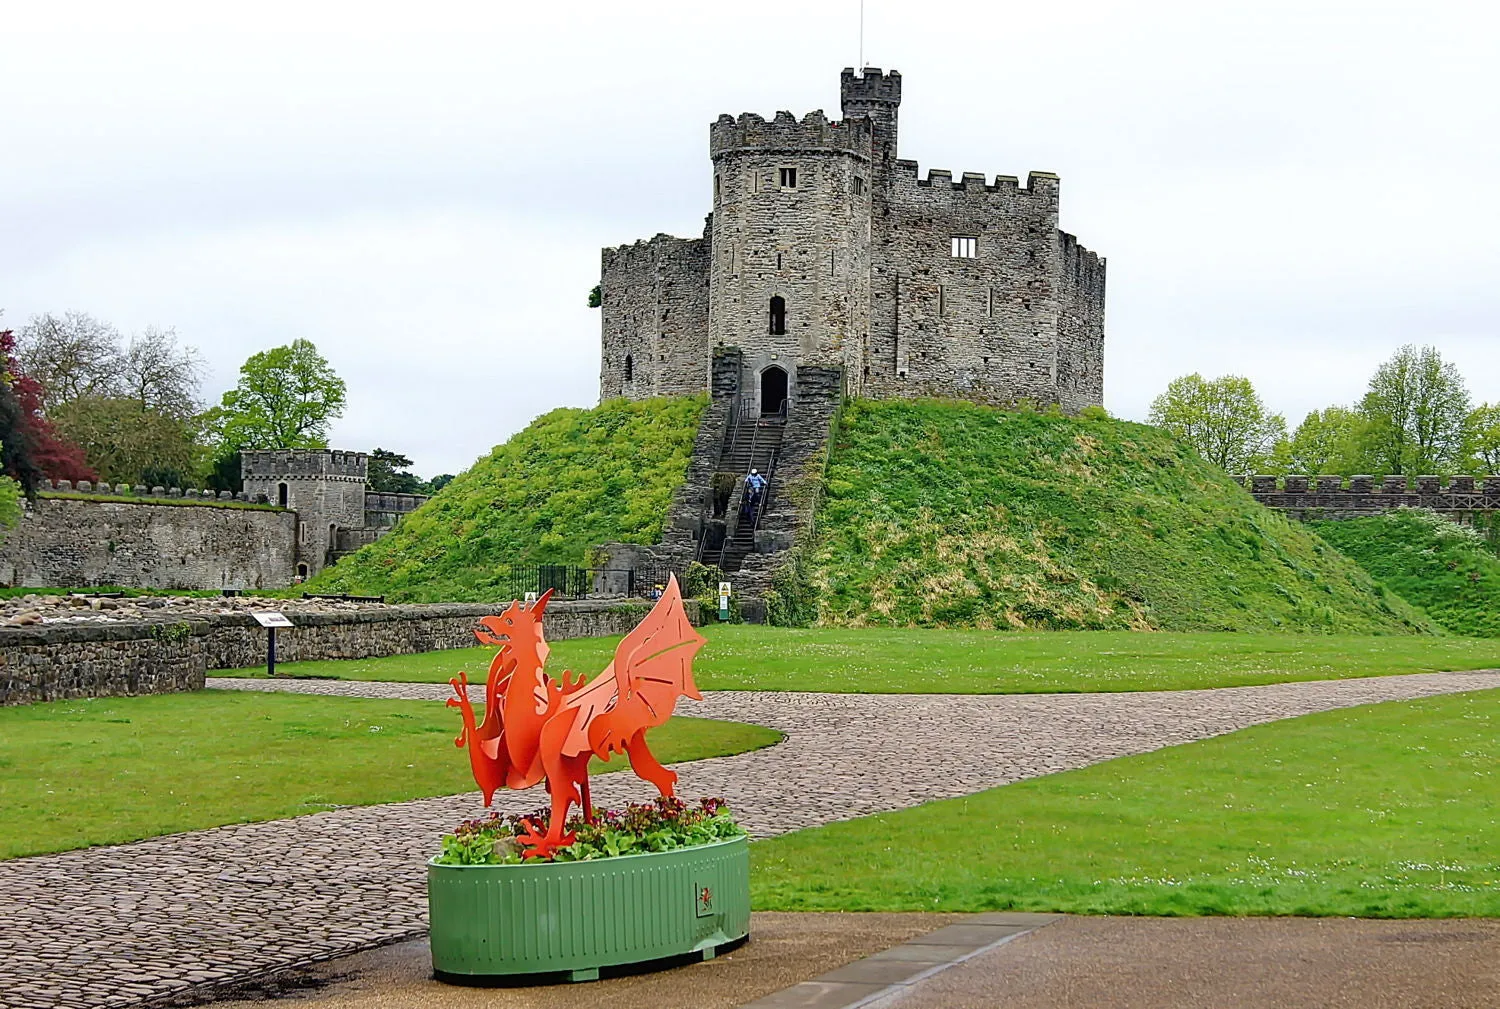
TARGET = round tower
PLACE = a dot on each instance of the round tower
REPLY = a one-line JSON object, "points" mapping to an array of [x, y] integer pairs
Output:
{"points": [[789, 281]]}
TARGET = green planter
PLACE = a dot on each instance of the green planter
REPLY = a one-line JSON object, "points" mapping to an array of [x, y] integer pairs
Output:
{"points": [[490, 923]]}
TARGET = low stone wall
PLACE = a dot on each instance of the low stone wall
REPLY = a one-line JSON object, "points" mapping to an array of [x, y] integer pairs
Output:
{"points": [[51, 662]]}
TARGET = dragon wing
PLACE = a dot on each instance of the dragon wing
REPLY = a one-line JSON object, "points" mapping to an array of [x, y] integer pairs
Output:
{"points": [[653, 667]]}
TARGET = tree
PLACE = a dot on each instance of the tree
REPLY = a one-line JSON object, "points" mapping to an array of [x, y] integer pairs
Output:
{"points": [[1327, 441], [123, 439], [160, 375], [388, 474], [596, 296], [69, 356], [286, 398], [438, 482], [32, 450], [1223, 419], [1417, 414], [1484, 438]]}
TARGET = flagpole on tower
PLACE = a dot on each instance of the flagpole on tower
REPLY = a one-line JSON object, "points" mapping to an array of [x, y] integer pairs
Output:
{"points": [[861, 36]]}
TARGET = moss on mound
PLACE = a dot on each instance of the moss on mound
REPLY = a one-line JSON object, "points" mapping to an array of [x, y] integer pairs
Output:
{"points": [[570, 481], [1449, 570], [950, 514]]}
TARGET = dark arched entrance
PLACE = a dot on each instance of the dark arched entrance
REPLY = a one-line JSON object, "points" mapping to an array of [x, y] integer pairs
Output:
{"points": [[772, 390]]}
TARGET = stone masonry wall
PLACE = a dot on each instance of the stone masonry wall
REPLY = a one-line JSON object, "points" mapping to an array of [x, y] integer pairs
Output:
{"points": [[1080, 326], [1336, 497], [57, 661], [654, 310], [81, 543], [806, 242], [982, 328]]}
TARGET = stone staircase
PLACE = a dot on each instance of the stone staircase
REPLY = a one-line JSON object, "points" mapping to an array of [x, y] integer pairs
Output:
{"points": [[753, 443], [789, 449]]}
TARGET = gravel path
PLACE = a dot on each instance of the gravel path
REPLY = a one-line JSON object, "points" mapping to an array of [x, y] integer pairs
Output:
{"points": [[116, 926]]}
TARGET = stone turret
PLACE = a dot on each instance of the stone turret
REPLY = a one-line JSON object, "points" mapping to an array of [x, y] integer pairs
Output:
{"points": [[325, 488]]}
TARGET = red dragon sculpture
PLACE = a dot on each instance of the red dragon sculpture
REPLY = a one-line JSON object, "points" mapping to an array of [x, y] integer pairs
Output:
{"points": [[537, 728]]}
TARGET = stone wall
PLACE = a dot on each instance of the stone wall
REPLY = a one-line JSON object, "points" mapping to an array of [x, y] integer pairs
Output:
{"points": [[325, 488], [1341, 497], [80, 543], [654, 318], [63, 660], [982, 328]]}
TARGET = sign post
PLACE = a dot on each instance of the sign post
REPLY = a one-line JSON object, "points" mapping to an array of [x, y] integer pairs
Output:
{"points": [[723, 601], [271, 621]]}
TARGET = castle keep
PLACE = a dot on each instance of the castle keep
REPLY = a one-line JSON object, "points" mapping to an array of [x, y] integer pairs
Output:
{"points": [[825, 249]]}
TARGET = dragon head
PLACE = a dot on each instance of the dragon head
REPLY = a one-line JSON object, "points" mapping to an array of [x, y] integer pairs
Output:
{"points": [[518, 629]]}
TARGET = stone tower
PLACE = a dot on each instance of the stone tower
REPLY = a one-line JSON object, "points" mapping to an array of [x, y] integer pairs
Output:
{"points": [[825, 249], [325, 488]]}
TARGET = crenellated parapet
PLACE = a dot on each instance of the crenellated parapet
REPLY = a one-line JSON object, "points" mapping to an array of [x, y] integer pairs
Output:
{"points": [[310, 464], [815, 133], [1329, 496]]}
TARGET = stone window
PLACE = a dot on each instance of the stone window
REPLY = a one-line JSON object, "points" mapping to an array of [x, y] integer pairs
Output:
{"points": [[989, 305], [789, 178], [942, 300], [859, 186], [754, 182], [629, 368], [718, 188], [281, 494], [778, 316], [965, 247]]}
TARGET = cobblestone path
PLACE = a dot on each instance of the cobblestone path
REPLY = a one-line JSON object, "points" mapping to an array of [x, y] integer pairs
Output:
{"points": [[119, 926]]}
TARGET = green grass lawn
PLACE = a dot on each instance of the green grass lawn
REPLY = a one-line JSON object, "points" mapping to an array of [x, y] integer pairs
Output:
{"points": [[870, 660], [85, 772], [1389, 810]]}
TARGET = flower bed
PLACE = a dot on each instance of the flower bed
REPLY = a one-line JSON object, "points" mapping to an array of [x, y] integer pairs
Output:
{"points": [[647, 883], [663, 825]]}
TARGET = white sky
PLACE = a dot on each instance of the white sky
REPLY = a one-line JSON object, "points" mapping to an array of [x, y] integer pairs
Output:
{"points": [[1286, 189]]}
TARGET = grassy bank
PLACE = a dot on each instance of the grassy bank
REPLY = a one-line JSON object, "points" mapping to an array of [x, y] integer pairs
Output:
{"points": [[952, 514], [1449, 570], [871, 660], [570, 481], [107, 771], [1389, 810]]}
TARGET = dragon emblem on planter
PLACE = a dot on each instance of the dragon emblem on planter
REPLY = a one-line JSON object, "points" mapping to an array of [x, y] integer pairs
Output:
{"points": [[538, 728]]}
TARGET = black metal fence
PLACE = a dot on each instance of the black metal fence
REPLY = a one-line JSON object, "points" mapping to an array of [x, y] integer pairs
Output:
{"points": [[570, 582]]}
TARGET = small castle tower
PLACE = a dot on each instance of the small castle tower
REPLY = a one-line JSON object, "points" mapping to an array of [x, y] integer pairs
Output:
{"points": [[325, 488]]}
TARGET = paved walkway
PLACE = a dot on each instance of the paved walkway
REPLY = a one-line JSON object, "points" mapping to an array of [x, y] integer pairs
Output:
{"points": [[113, 926]]}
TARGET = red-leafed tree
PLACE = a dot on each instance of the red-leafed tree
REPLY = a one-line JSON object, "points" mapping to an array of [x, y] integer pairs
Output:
{"points": [[30, 448]]}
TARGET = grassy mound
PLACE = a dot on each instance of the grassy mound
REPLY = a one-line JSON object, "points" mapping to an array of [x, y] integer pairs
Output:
{"points": [[571, 480], [951, 514], [1447, 569]]}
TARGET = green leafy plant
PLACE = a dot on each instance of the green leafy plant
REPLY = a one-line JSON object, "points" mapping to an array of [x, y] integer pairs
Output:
{"points": [[639, 828]]}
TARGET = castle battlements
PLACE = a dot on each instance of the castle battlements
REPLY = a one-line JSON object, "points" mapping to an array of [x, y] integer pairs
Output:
{"points": [[870, 85], [824, 249], [304, 464], [815, 132]]}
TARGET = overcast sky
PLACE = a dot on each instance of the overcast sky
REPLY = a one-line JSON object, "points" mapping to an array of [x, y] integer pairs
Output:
{"points": [[1285, 190]]}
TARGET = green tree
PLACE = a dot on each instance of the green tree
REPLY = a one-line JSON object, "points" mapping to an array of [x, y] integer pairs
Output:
{"points": [[1484, 438], [1416, 413], [1327, 441], [286, 398], [438, 482], [388, 474], [1224, 419], [121, 439]]}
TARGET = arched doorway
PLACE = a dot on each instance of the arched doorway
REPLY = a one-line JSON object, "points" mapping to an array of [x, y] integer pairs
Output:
{"points": [[772, 390]]}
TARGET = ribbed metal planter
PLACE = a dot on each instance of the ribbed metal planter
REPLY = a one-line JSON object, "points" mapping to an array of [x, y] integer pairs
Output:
{"points": [[492, 923]]}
